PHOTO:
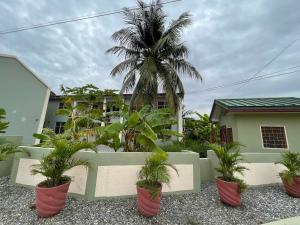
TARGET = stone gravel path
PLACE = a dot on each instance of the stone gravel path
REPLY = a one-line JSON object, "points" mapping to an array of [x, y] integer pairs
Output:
{"points": [[260, 205]]}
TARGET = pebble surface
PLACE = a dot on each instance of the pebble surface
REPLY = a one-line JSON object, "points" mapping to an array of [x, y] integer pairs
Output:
{"points": [[259, 205]]}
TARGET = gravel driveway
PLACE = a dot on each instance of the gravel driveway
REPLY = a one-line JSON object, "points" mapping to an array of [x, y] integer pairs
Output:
{"points": [[260, 205]]}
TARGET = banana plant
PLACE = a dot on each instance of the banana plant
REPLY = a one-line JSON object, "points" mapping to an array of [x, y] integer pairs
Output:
{"points": [[140, 129]]}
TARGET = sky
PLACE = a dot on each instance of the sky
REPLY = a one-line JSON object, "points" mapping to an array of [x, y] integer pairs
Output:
{"points": [[228, 41]]}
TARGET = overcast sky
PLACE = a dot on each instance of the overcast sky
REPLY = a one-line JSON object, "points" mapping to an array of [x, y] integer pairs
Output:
{"points": [[228, 41]]}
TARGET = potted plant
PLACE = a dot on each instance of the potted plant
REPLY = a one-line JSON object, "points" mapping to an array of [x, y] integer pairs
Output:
{"points": [[151, 177], [291, 176], [51, 193], [229, 186]]}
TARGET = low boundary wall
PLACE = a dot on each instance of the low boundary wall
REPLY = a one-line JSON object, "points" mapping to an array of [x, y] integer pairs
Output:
{"points": [[111, 174]]}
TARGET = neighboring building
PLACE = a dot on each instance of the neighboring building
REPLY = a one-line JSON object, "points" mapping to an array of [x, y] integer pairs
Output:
{"points": [[24, 97], [56, 122], [260, 124]]}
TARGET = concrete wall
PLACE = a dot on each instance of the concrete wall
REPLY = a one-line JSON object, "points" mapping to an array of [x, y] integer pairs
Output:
{"points": [[261, 167], [23, 97], [246, 129], [111, 174]]}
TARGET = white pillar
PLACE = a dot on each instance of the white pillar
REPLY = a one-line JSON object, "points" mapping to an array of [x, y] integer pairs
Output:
{"points": [[104, 110], [179, 119]]}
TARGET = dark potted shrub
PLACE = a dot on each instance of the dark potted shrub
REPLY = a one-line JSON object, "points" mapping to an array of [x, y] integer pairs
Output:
{"points": [[229, 186], [291, 176], [51, 193], [151, 177]]}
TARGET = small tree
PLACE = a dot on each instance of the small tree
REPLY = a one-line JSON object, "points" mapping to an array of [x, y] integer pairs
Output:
{"points": [[59, 160], [141, 129], [229, 158], [291, 160]]}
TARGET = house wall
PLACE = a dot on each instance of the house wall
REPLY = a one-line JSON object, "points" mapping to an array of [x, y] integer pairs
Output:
{"points": [[246, 129], [23, 97], [249, 133], [51, 118]]}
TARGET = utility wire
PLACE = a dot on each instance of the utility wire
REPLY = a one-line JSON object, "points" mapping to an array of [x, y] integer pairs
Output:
{"points": [[270, 62], [261, 77], [92, 16]]}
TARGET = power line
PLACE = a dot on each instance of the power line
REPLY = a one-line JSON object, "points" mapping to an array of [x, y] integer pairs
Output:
{"points": [[92, 16], [270, 61], [261, 77]]}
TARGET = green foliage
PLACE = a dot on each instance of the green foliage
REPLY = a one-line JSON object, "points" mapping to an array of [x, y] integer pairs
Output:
{"points": [[291, 160], [153, 55], [3, 124], [229, 158], [201, 129], [60, 160], [141, 129], [155, 172], [82, 117], [7, 149], [187, 144], [48, 134]]}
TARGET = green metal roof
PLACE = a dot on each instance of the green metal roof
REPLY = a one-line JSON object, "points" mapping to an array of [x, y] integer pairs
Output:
{"points": [[284, 102]]}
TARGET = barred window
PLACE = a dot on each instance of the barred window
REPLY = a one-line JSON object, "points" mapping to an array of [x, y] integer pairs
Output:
{"points": [[61, 105], [162, 104], [273, 137], [59, 127], [226, 135]]}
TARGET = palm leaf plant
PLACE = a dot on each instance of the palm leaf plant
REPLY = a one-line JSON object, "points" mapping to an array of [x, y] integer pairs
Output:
{"points": [[51, 193], [228, 184], [6, 148], [153, 54], [151, 177], [291, 175]]}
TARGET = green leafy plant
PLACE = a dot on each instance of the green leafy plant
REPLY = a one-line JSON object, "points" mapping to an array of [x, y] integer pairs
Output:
{"points": [[3, 124], [155, 172], [187, 144], [153, 55], [141, 129], [229, 158], [59, 160], [6, 149], [201, 129], [48, 134], [291, 160]]}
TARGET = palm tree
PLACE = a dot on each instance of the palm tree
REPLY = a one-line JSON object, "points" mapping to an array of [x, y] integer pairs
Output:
{"points": [[153, 55]]}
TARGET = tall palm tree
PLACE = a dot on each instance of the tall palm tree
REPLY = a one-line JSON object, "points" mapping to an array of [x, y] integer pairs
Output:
{"points": [[153, 55]]}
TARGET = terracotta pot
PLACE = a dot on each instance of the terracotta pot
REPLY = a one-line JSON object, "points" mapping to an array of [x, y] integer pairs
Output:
{"points": [[293, 189], [147, 205], [50, 201], [228, 192]]}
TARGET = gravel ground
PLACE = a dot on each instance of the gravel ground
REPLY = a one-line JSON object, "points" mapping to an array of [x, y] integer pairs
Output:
{"points": [[260, 205]]}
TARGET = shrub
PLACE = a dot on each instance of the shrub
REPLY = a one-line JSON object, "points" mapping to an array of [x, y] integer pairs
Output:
{"points": [[155, 172], [188, 144], [291, 160], [229, 158]]}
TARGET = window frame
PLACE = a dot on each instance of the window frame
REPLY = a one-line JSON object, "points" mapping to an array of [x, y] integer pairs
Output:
{"points": [[285, 133], [60, 127]]}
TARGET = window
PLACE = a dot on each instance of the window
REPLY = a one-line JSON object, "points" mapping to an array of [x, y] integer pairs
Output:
{"points": [[273, 137], [59, 127], [61, 105], [162, 104], [115, 108], [226, 135]]}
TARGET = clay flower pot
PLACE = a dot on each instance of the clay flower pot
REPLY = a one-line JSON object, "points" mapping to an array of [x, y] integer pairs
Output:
{"points": [[50, 201], [228, 192], [147, 205], [293, 189]]}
